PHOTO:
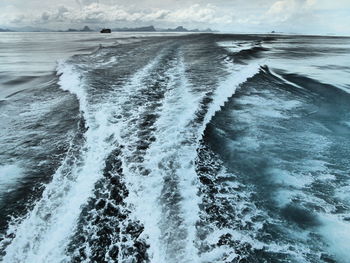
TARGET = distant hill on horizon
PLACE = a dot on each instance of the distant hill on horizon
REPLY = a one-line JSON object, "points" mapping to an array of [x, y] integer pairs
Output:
{"points": [[135, 29], [5, 30], [153, 29], [28, 29], [183, 29], [150, 28], [85, 29]]}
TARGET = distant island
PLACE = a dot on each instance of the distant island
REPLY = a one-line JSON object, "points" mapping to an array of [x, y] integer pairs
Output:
{"points": [[153, 29], [5, 30], [123, 29], [135, 29], [85, 29], [182, 29]]}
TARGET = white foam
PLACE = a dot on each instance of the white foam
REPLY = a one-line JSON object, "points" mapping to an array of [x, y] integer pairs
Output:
{"points": [[216, 255], [343, 192], [236, 46], [265, 107], [284, 80], [10, 174], [287, 178], [228, 87], [70, 80], [169, 149], [347, 123], [43, 235], [173, 154], [336, 233]]}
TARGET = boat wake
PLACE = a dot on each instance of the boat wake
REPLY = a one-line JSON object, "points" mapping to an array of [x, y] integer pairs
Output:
{"points": [[128, 188], [192, 149]]}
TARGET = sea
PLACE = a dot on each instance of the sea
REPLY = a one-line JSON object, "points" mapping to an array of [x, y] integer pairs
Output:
{"points": [[174, 148]]}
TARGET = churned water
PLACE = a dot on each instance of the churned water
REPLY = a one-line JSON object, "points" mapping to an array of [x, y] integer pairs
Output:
{"points": [[174, 148]]}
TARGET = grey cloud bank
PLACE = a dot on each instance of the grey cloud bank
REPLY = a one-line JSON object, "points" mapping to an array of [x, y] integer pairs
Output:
{"points": [[289, 16]]}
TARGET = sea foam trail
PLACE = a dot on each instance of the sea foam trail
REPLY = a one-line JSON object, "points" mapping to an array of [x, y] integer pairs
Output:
{"points": [[43, 234], [228, 87], [165, 201], [168, 193]]}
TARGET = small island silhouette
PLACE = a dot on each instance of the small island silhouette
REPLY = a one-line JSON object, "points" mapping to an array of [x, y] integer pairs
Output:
{"points": [[150, 28]]}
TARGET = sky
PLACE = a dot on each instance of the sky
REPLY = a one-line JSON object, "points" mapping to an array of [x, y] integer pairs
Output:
{"points": [[240, 16]]}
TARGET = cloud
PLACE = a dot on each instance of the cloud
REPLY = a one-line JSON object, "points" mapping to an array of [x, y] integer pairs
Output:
{"points": [[91, 11], [58, 15], [284, 10], [197, 13], [281, 7], [45, 16], [301, 16], [87, 2]]}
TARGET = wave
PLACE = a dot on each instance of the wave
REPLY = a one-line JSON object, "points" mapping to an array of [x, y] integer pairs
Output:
{"points": [[53, 216], [181, 154], [134, 158], [243, 52], [254, 52], [278, 198]]}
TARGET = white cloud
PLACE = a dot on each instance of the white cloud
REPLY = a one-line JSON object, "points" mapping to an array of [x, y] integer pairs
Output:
{"points": [[310, 16], [197, 13], [283, 10], [93, 12], [281, 7], [87, 2]]}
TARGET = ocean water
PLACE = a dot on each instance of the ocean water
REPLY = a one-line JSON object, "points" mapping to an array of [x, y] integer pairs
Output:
{"points": [[170, 148]]}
